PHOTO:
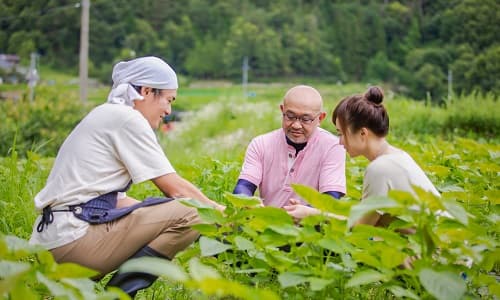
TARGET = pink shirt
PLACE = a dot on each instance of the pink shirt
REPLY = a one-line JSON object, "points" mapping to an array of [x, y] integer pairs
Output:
{"points": [[270, 164]]}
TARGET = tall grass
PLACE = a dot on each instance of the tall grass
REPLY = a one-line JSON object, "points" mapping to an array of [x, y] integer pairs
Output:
{"points": [[20, 180]]}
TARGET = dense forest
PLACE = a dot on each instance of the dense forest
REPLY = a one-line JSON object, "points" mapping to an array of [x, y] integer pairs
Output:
{"points": [[412, 44]]}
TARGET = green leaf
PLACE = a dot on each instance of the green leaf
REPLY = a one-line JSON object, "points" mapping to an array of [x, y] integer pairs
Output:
{"points": [[194, 203], [280, 258], [262, 217], [84, 285], [55, 288], [21, 248], [200, 271], [367, 258], [368, 205], [432, 201], [285, 229], [71, 270], [271, 238], [388, 236], [291, 279], [322, 201], [366, 277], [11, 268], [241, 201], [457, 211], [318, 284], [243, 243], [211, 215], [400, 292], [223, 288], [331, 244], [451, 188], [442, 285], [210, 247], [205, 229], [23, 291], [155, 266], [405, 199], [391, 257]]}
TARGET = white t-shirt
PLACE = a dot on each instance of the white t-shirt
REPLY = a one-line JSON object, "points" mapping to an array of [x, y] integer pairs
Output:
{"points": [[112, 145], [394, 171]]}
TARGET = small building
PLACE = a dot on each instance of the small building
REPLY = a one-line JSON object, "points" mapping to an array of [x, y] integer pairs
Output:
{"points": [[9, 69], [9, 62]]}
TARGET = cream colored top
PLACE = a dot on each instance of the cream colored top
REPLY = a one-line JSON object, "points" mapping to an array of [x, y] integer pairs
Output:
{"points": [[394, 171], [112, 145]]}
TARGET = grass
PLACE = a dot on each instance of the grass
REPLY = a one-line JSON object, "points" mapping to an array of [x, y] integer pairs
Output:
{"points": [[457, 146]]}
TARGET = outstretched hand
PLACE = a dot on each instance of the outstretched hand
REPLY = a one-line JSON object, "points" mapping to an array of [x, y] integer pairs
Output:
{"points": [[299, 211]]}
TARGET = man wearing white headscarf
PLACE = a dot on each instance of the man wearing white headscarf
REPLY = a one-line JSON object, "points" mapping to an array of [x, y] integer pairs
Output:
{"points": [[86, 217]]}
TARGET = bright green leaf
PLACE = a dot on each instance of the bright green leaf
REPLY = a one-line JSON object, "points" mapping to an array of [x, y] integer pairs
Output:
{"points": [[457, 211], [194, 203], [24, 292], [205, 229], [241, 201], [211, 215], [318, 284], [200, 271], [210, 247], [368, 205], [243, 243], [442, 285], [71, 270], [55, 288], [155, 266], [322, 201], [400, 292], [85, 286], [366, 277], [11, 268], [291, 279], [285, 229]]}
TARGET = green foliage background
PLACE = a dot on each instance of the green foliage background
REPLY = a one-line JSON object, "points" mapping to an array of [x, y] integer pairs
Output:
{"points": [[410, 43]]}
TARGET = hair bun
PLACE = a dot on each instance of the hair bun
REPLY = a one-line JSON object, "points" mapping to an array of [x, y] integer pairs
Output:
{"points": [[374, 94]]}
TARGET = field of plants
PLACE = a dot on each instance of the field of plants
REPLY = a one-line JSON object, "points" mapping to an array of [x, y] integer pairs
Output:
{"points": [[253, 252]]}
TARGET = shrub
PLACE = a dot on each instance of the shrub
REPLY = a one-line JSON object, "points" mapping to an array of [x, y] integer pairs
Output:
{"points": [[41, 125]]}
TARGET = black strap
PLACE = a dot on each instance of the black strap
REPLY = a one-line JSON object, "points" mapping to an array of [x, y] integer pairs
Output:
{"points": [[47, 217]]}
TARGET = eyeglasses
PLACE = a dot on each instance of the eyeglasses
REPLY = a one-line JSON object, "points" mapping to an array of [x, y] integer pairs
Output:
{"points": [[304, 119]]}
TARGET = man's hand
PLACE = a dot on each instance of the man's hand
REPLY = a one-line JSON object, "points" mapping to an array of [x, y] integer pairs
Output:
{"points": [[299, 211]]}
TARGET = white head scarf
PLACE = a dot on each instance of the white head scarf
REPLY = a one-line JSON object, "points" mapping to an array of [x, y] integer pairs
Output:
{"points": [[147, 71]]}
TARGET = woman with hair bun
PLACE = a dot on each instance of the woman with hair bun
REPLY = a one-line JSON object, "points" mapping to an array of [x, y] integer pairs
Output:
{"points": [[362, 124]]}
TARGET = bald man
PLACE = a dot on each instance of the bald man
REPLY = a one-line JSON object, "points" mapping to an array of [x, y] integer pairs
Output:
{"points": [[300, 152]]}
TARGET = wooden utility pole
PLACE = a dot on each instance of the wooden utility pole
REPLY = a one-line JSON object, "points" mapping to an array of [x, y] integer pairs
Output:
{"points": [[84, 50], [244, 79]]}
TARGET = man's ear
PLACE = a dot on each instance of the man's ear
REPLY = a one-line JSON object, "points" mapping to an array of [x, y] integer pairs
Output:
{"points": [[282, 107], [145, 90], [322, 116]]}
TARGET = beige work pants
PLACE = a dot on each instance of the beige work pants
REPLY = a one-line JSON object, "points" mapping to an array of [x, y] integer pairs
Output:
{"points": [[164, 227]]}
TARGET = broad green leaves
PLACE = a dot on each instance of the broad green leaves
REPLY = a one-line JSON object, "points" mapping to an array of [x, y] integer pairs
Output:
{"points": [[26, 270], [210, 247], [442, 285]]}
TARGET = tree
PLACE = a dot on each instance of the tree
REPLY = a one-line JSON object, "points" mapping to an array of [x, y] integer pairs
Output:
{"points": [[472, 22], [485, 71]]}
